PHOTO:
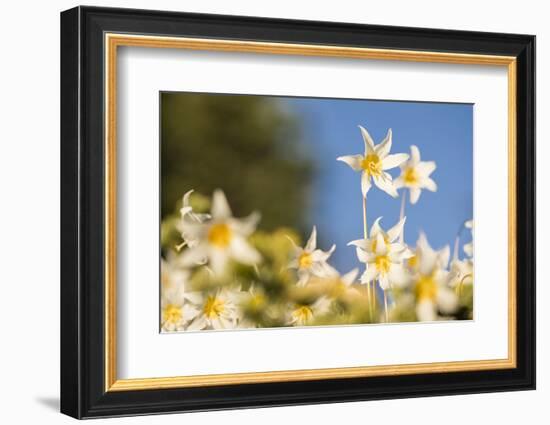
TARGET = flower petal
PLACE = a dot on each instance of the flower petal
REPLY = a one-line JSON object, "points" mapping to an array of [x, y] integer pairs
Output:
{"points": [[186, 197], [383, 281], [354, 161], [392, 161], [323, 270], [447, 300], [364, 256], [243, 252], [425, 311], [415, 194], [361, 243], [303, 278], [197, 324], [312, 241], [415, 156], [383, 149], [399, 182], [381, 248], [426, 255], [369, 275], [429, 184], [398, 275], [369, 143], [425, 168], [385, 183], [350, 277], [365, 183], [217, 259], [220, 207], [245, 226], [396, 230], [194, 256], [375, 228], [319, 255], [469, 249]]}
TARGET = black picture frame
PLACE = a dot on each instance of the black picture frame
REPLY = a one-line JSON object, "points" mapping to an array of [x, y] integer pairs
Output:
{"points": [[83, 392]]}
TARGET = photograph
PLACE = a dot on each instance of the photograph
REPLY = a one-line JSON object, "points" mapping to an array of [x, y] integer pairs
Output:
{"points": [[303, 211]]}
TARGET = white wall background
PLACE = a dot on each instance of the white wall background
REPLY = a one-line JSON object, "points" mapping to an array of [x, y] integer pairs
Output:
{"points": [[29, 209]]}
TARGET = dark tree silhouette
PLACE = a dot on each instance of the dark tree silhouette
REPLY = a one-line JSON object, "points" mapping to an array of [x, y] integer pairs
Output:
{"points": [[246, 145]]}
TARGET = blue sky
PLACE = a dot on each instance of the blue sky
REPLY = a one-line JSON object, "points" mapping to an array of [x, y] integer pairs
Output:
{"points": [[442, 132]]}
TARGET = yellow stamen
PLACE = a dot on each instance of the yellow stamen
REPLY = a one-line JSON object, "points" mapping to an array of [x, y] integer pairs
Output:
{"points": [[257, 301], [426, 288], [220, 235], [305, 261], [372, 165], [213, 307], [413, 261], [382, 263], [302, 314], [410, 176], [172, 314]]}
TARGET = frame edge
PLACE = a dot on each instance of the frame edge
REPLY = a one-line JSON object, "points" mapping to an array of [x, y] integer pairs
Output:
{"points": [[70, 349]]}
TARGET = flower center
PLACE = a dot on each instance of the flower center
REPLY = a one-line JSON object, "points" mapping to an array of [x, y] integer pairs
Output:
{"points": [[426, 288], [410, 176], [372, 165], [220, 235], [305, 261], [413, 261], [302, 314], [213, 307], [382, 263], [172, 314]]}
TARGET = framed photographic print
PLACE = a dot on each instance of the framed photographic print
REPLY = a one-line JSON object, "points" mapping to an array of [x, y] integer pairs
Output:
{"points": [[261, 212]]}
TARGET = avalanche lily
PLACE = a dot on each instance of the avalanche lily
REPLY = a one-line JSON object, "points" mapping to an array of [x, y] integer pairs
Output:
{"points": [[374, 162], [383, 255], [304, 314], [221, 238], [188, 215], [217, 310], [342, 284], [430, 279], [177, 311], [415, 175], [461, 273], [310, 261]]}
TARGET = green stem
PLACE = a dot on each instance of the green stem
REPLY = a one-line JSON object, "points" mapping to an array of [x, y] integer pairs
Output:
{"points": [[402, 215]]}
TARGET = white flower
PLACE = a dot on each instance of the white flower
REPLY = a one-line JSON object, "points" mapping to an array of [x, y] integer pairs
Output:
{"points": [[221, 238], [176, 312], [304, 314], [469, 247], [217, 310], [310, 261], [342, 284], [188, 215], [383, 255], [415, 175], [374, 163], [461, 273], [430, 281], [252, 301]]}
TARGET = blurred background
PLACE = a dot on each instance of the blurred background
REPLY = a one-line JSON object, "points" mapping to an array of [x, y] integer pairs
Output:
{"points": [[277, 155]]}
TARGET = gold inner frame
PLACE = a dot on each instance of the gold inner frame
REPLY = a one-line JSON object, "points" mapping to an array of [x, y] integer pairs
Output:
{"points": [[113, 41]]}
